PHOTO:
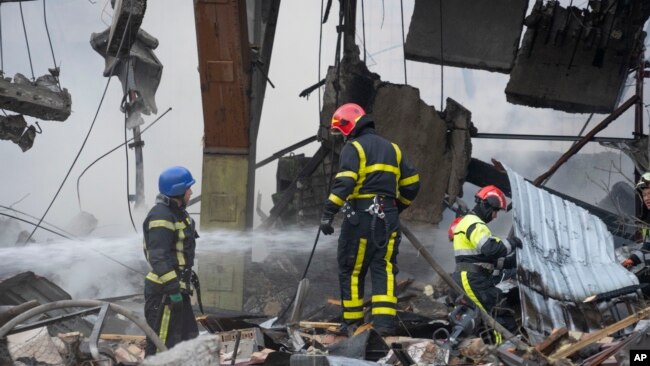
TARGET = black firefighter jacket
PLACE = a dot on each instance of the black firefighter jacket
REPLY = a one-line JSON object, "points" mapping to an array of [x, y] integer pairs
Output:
{"points": [[372, 166], [169, 245]]}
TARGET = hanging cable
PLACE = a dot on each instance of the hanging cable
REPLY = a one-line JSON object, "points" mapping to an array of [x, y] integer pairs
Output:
{"points": [[383, 13], [126, 153], [320, 52], [442, 64], [49, 39], [36, 218], [2, 52], [33, 224], [29, 53], [363, 27], [113, 150], [337, 87], [401, 7], [83, 144], [128, 99]]}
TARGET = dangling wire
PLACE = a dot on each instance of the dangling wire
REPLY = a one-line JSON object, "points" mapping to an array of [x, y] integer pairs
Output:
{"points": [[83, 144], [363, 27], [29, 53], [320, 51], [401, 7], [126, 146], [442, 64], [49, 39], [2, 52]]}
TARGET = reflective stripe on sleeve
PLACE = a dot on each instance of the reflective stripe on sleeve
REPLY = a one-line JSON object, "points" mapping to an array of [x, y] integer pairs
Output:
{"points": [[161, 223]]}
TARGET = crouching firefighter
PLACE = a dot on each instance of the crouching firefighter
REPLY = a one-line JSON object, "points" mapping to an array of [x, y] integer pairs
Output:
{"points": [[373, 185], [478, 253], [169, 245]]}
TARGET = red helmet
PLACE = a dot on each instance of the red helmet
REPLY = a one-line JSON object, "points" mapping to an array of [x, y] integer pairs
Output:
{"points": [[346, 117], [452, 228], [493, 196]]}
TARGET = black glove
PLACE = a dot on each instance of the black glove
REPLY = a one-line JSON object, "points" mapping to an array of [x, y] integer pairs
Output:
{"points": [[516, 242], [326, 224]]}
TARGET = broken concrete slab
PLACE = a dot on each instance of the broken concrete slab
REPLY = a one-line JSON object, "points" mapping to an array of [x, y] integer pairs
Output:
{"points": [[41, 99], [127, 18], [475, 34], [577, 61]]}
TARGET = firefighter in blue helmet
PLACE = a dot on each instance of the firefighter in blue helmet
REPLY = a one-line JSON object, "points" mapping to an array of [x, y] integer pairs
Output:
{"points": [[169, 245], [478, 253], [373, 185]]}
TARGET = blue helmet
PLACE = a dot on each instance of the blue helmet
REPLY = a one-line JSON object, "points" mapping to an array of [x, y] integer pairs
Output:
{"points": [[175, 181]]}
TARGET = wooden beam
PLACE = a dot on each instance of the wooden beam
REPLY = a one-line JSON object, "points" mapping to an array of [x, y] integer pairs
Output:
{"points": [[598, 335], [545, 345]]}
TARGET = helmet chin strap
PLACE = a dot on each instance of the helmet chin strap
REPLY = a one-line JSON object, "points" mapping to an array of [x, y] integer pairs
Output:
{"points": [[483, 210]]}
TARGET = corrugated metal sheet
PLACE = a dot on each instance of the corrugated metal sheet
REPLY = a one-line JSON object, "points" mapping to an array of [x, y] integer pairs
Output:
{"points": [[568, 256]]}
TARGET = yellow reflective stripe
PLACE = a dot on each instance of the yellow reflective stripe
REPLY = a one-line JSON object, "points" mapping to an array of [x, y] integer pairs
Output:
{"points": [[472, 296], [347, 173], [336, 199], [164, 325], [352, 303], [354, 280], [404, 200], [398, 156], [161, 223], [410, 180], [382, 168], [162, 279], [468, 289], [384, 311], [362, 167], [168, 276], [154, 278], [384, 298], [398, 153], [390, 277], [353, 315]]}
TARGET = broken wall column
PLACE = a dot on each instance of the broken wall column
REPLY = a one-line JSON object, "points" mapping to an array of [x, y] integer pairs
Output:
{"points": [[224, 67]]}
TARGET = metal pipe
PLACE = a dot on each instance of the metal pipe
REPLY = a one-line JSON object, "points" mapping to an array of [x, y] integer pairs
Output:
{"points": [[285, 150], [510, 136], [580, 144], [83, 304]]}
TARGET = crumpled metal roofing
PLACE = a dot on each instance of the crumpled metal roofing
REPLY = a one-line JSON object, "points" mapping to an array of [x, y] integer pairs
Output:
{"points": [[567, 256]]}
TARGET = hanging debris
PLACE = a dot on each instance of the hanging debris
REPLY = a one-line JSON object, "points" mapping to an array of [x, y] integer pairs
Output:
{"points": [[473, 34], [577, 60], [42, 98], [14, 128]]}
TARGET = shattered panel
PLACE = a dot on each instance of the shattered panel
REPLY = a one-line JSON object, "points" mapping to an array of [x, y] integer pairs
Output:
{"points": [[568, 256], [41, 99], [26, 286], [475, 34], [577, 61]]}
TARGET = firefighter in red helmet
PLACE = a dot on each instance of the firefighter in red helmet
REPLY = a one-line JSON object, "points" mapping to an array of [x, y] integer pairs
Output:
{"points": [[374, 183], [478, 253]]}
